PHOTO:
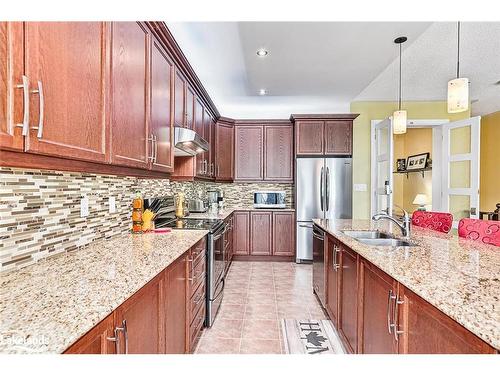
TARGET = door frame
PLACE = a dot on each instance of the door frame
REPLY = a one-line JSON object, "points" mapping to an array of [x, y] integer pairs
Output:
{"points": [[437, 146]]}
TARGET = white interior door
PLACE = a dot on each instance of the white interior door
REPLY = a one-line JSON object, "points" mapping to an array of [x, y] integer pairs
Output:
{"points": [[461, 141], [381, 166]]}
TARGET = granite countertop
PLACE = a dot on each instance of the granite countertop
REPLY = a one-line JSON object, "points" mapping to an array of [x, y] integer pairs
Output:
{"points": [[459, 277], [223, 214], [46, 307]]}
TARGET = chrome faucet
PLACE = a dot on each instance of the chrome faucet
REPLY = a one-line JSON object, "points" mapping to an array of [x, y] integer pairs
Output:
{"points": [[404, 226]]}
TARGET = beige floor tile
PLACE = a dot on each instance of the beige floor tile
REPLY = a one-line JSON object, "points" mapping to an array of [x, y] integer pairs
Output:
{"points": [[231, 311], [235, 298], [219, 346], [261, 329], [264, 311], [224, 328], [259, 346]]}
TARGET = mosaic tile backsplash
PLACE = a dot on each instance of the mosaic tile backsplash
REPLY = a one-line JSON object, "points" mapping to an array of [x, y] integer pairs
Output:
{"points": [[40, 210]]}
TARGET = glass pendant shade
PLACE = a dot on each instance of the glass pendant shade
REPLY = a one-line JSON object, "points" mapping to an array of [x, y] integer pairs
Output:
{"points": [[458, 95], [399, 122]]}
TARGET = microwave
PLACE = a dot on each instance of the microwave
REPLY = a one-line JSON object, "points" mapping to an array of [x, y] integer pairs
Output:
{"points": [[269, 199]]}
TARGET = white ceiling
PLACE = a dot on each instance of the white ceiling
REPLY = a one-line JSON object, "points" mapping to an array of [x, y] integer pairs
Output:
{"points": [[318, 67]]}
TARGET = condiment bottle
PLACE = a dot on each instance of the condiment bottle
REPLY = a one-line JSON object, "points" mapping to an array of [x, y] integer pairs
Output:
{"points": [[137, 208], [179, 206]]}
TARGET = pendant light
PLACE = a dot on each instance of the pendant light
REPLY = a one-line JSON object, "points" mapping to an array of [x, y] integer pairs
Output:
{"points": [[458, 88], [399, 116]]}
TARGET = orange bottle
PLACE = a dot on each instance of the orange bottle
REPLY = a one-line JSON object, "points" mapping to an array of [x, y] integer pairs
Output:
{"points": [[137, 208]]}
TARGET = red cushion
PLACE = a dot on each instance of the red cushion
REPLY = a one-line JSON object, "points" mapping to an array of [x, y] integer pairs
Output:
{"points": [[486, 231], [438, 221]]}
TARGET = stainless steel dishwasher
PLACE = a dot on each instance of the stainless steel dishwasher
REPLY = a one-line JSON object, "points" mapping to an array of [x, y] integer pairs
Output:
{"points": [[319, 263]]}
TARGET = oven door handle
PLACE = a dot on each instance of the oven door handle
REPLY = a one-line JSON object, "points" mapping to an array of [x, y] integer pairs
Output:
{"points": [[221, 291]]}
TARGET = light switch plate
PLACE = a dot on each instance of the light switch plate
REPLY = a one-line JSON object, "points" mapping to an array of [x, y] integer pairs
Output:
{"points": [[360, 187], [112, 205], [84, 206]]}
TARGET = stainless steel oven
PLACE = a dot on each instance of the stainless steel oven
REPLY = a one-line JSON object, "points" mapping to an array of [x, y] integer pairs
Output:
{"points": [[216, 265]]}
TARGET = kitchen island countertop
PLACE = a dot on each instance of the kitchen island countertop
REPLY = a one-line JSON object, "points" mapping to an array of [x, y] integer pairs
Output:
{"points": [[459, 277]]}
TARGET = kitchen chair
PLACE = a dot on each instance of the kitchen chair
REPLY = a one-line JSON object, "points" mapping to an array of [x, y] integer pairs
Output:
{"points": [[438, 221], [486, 231]]}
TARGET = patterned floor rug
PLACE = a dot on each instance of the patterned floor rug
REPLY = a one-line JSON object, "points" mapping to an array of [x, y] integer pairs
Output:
{"points": [[310, 337]]}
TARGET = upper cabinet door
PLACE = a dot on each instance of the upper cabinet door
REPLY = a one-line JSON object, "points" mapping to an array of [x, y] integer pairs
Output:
{"points": [[11, 98], [309, 137], [67, 64], [190, 96], [129, 127], [198, 118], [278, 153], [249, 153], [162, 70], [224, 152], [179, 100], [338, 137]]}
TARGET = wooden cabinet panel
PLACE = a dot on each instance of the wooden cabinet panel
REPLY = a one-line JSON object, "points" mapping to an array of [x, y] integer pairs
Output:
{"points": [[260, 233], [199, 127], [249, 153], [129, 128], [70, 61], [283, 234], [333, 277], [349, 303], [11, 99], [378, 291], [213, 141], [179, 99], [175, 301], [224, 152], [190, 96], [141, 316], [278, 153], [162, 70], [96, 340], [241, 236], [309, 137], [198, 118], [427, 330], [338, 137]]}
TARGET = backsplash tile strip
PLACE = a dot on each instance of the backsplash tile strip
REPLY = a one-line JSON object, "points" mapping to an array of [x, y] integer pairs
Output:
{"points": [[40, 210]]}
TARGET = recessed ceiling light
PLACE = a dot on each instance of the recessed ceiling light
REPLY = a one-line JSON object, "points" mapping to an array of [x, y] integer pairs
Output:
{"points": [[262, 52], [262, 92]]}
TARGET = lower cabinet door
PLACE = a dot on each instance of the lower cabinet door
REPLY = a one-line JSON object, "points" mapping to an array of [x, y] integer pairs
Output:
{"points": [[174, 300], [241, 234], [99, 340], [378, 296], [283, 233], [348, 327], [426, 330], [139, 323], [260, 233]]}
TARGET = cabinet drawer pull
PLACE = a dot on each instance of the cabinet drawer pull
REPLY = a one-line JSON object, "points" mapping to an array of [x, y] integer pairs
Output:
{"points": [[26, 110]]}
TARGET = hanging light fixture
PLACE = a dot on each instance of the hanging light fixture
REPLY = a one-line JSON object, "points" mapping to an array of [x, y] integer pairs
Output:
{"points": [[458, 88], [399, 116]]}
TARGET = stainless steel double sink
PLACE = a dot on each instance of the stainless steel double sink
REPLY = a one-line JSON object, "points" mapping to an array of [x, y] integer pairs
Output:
{"points": [[377, 238]]}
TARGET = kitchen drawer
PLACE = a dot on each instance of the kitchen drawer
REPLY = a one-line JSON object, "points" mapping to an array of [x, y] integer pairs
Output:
{"points": [[196, 275], [198, 251], [196, 328], [197, 300]]}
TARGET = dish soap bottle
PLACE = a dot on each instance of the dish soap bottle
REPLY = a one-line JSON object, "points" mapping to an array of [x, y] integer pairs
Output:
{"points": [[137, 208]]}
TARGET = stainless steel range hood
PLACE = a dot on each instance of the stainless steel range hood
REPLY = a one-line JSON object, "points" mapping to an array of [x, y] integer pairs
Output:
{"points": [[188, 142]]}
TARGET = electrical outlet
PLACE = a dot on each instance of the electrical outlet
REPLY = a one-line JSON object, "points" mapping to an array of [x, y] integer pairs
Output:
{"points": [[112, 205], [84, 206]]}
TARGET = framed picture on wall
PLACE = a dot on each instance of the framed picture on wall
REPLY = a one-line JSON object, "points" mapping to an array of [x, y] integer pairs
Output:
{"points": [[417, 161]]}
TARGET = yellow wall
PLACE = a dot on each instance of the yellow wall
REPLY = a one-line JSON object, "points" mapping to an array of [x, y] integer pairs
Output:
{"points": [[414, 141], [361, 139], [489, 188]]}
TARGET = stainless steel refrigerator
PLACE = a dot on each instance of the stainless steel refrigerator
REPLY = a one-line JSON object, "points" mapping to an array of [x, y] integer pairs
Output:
{"points": [[323, 191]]}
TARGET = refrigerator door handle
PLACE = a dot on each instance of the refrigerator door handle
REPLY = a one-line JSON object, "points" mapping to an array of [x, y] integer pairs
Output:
{"points": [[321, 188], [327, 188]]}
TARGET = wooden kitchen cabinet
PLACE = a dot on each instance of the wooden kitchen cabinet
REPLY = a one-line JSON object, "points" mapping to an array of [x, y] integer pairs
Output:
{"points": [[348, 327], [98, 340], [338, 137], [162, 70], [283, 234], [224, 151], [333, 278], [309, 137], [260, 233], [190, 107], [129, 82], [174, 302], [278, 153], [241, 236], [248, 153], [179, 99], [141, 320], [378, 292], [425, 330]]}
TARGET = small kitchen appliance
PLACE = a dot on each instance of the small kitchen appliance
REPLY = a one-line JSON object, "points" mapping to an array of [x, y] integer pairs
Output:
{"points": [[269, 199]]}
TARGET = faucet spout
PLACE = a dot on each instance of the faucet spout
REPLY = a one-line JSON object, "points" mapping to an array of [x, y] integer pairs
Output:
{"points": [[404, 225]]}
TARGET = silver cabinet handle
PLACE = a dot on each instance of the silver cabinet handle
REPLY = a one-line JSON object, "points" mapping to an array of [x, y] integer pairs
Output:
{"points": [[336, 264], [152, 139], [155, 140], [123, 329], [218, 171], [116, 340], [305, 226], [318, 237], [26, 100], [389, 304], [397, 302], [41, 108], [321, 189]]}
